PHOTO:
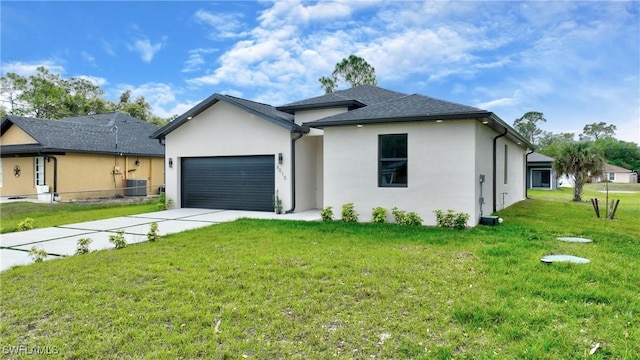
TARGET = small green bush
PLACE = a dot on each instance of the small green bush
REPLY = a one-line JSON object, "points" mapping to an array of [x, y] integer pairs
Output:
{"points": [[327, 213], [349, 213], [38, 255], [379, 215], [398, 214], [83, 246], [118, 240], [152, 235], [406, 218], [451, 219], [412, 219], [26, 224], [163, 202], [277, 203]]}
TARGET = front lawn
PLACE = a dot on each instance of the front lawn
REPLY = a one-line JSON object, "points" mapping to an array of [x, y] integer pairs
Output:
{"points": [[279, 289], [46, 215]]}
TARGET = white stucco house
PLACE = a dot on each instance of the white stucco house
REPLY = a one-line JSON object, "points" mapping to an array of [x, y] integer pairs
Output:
{"points": [[366, 145], [617, 174]]}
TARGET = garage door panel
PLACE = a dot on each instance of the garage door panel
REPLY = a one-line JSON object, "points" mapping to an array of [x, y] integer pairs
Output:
{"points": [[229, 182]]}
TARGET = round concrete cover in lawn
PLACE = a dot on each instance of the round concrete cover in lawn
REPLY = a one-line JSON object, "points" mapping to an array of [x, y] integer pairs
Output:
{"points": [[575, 239], [564, 258]]}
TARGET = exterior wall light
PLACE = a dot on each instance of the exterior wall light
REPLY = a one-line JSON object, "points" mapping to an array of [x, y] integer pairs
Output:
{"points": [[170, 162], [279, 158]]}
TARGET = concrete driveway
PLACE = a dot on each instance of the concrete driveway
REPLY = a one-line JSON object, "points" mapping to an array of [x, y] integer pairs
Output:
{"points": [[62, 240]]}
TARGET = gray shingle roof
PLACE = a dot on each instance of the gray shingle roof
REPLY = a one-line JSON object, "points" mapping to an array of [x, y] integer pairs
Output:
{"points": [[406, 108], [261, 110], [355, 97], [87, 134], [537, 157]]}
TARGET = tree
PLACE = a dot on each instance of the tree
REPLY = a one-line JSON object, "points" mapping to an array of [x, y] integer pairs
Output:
{"points": [[48, 96], [597, 131], [353, 70], [527, 125], [620, 153], [550, 144], [578, 160]]}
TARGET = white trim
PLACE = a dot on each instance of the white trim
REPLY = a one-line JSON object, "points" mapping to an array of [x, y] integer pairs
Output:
{"points": [[531, 170], [39, 168]]}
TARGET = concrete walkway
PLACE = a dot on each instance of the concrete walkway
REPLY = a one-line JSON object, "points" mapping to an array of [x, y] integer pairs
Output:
{"points": [[62, 240]]}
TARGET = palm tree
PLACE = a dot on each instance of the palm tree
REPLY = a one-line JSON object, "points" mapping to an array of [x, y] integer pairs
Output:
{"points": [[578, 160]]}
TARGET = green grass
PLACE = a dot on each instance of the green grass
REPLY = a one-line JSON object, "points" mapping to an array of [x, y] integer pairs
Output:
{"points": [[46, 215], [279, 289]]}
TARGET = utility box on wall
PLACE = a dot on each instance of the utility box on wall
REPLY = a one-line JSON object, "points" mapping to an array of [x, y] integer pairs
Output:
{"points": [[136, 187]]}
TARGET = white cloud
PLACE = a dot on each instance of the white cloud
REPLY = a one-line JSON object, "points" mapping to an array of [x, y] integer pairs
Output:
{"points": [[95, 80], [28, 69], [196, 59], [226, 25], [145, 48]]}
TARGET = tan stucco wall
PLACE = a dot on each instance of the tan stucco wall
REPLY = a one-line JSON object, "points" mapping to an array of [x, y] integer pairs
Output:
{"points": [[24, 184], [16, 136], [83, 175], [225, 130]]}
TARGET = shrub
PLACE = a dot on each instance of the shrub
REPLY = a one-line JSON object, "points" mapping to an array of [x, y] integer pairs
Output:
{"points": [[38, 255], [349, 214], [118, 240], [451, 219], [406, 218], [152, 235], [379, 215], [163, 202], [412, 219], [398, 214], [327, 213], [26, 224], [83, 246], [277, 203]]}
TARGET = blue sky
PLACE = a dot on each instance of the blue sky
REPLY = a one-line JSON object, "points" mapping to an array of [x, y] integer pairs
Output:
{"points": [[578, 62]]}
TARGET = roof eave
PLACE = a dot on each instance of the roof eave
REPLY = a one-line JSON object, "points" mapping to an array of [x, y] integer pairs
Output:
{"points": [[320, 124], [210, 101]]}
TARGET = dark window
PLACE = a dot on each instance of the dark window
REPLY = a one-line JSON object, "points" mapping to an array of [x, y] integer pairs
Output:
{"points": [[506, 164], [392, 160]]}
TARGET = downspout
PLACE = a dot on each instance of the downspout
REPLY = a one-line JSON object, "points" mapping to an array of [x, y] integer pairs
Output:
{"points": [[526, 173], [293, 172], [495, 172]]}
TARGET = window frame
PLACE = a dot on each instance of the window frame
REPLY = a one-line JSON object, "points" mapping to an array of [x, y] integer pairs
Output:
{"points": [[382, 160], [612, 176], [39, 170]]}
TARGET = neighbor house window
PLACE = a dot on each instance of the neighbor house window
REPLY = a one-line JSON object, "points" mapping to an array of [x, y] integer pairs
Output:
{"points": [[39, 170], [612, 176], [392, 160], [506, 164]]}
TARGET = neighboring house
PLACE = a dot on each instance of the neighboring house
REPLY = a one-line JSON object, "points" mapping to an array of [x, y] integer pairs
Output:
{"points": [[366, 145], [540, 172], [617, 174], [79, 157]]}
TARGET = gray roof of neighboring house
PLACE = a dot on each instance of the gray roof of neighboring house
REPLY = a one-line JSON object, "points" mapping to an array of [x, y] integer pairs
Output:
{"points": [[85, 134], [355, 97], [537, 157], [401, 109], [264, 111]]}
